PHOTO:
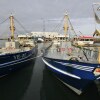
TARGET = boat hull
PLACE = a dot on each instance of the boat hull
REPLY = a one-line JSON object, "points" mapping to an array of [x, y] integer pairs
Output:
{"points": [[76, 78], [15, 61]]}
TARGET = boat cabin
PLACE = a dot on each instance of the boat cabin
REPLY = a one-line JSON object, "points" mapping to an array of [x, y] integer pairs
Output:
{"points": [[84, 40], [26, 40]]}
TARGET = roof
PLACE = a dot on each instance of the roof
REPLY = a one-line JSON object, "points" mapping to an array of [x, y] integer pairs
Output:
{"points": [[86, 37], [23, 35]]}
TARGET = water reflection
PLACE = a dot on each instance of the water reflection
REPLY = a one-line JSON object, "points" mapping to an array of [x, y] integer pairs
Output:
{"points": [[13, 86], [53, 89]]}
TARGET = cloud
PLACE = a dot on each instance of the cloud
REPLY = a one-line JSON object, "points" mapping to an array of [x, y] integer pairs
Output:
{"points": [[29, 12]]}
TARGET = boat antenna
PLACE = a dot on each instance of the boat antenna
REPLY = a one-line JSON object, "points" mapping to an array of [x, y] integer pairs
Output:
{"points": [[12, 27]]}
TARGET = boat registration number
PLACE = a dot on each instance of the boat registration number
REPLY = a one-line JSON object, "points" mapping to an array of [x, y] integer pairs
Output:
{"points": [[16, 57]]}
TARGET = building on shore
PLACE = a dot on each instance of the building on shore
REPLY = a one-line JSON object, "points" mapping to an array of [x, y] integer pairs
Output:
{"points": [[49, 36], [44, 34]]}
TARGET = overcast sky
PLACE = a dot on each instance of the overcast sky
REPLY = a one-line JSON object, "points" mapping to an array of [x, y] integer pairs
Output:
{"points": [[32, 12]]}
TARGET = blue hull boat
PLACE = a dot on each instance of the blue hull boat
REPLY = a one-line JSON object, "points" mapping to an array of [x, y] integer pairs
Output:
{"points": [[14, 61], [75, 66], [76, 75], [16, 52]]}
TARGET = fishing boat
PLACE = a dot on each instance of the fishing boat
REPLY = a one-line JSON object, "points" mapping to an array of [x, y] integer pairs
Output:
{"points": [[84, 40], [78, 69], [15, 53]]}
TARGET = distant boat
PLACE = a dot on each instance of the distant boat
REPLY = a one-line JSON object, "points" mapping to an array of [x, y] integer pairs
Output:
{"points": [[15, 54], [78, 70], [84, 40]]}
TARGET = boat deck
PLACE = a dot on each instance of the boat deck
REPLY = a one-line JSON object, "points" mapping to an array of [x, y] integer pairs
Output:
{"points": [[67, 51], [12, 50]]}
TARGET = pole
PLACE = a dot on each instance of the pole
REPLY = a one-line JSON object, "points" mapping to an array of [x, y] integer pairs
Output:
{"points": [[12, 28], [66, 25]]}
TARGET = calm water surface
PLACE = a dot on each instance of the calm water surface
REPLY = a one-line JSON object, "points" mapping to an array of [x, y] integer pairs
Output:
{"points": [[36, 82]]}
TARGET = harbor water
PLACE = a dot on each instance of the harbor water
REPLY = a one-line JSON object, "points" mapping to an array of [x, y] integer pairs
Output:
{"points": [[36, 82]]}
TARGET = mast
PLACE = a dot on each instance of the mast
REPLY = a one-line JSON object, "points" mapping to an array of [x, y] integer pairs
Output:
{"points": [[12, 27], [66, 24]]}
